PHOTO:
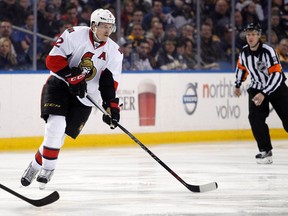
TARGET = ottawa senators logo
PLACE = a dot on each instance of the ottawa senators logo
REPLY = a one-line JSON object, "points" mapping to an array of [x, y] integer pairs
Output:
{"points": [[87, 66]]}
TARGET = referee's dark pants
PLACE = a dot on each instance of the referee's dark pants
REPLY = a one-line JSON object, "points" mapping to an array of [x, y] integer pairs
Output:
{"points": [[258, 114]]}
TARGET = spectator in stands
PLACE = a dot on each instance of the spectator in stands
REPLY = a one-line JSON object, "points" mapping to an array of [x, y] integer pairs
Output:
{"points": [[84, 16], [154, 19], [167, 56], [278, 26], [278, 6], [11, 10], [75, 3], [95, 4], [249, 13], [171, 32], [137, 18], [127, 12], [189, 54], [157, 34], [57, 8], [282, 51], [208, 20], [187, 31], [226, 44], [8, 60], [25, 8], [137, 34], [71, 14], [168, 6], [220, 17], [180, 52], [253, 7], [126, 48], [156, 10], [182, 14], [274, 39], [211, 51], [284, 16], [238, 20], [7, 31], [41, 6], [240, 38], [25, 57], [140, 57], [48, 25], [152, 58]]}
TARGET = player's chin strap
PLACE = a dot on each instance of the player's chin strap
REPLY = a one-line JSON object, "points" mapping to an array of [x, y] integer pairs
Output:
{"points": [[194, 188]]}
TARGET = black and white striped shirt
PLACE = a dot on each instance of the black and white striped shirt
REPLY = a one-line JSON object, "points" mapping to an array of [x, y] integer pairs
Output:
{"points": [[262, 65]]}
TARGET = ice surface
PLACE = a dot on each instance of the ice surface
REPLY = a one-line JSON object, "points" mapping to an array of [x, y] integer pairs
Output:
{"points": [[128, 181]]}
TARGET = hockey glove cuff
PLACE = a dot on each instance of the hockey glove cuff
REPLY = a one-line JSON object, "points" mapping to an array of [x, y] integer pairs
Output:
{"points": [[77, 83], [113, 109]]}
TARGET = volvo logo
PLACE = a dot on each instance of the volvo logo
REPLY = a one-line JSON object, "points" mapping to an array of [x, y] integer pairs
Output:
{"points": [[190, 98]]}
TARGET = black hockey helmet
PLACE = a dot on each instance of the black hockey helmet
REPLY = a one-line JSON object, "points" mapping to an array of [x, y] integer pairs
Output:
{"points": [[253, 27]]}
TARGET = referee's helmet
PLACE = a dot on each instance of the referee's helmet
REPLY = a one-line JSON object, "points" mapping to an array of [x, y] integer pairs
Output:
{"points": [[253, 27]]}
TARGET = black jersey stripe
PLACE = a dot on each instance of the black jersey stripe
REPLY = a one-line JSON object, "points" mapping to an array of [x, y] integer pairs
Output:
{"points": [[258, 63]]}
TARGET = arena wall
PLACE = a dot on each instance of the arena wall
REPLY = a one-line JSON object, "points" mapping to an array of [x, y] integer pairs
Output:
{"points": [[175, 107]]}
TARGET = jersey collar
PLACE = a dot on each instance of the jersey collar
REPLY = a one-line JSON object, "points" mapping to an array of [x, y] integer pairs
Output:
{"points": [[93, 42]]}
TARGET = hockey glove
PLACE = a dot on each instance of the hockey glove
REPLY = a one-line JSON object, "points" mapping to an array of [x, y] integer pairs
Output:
{"points": [[77, 83], [113, 109]]}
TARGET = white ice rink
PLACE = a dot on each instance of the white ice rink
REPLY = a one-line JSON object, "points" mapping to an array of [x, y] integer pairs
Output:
{"points": [[128, 181]]}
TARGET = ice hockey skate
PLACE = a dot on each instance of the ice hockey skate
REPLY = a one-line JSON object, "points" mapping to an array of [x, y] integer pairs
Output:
{"points": [[29, 175], [44, 177], [264, 157]]}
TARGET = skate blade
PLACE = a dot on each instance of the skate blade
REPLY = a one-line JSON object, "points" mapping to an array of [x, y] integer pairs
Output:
{"points": [[42, 185]]}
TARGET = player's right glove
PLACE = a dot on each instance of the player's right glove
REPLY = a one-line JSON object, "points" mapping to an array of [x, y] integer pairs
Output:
{"points": [[113, 109], [77, 83]]}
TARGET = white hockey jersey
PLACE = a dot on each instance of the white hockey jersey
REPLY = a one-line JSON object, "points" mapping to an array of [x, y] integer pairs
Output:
{"points": [[76, 48]]}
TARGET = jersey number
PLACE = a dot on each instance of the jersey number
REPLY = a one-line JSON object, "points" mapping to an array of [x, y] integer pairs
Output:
{"points": [[59, 42]]}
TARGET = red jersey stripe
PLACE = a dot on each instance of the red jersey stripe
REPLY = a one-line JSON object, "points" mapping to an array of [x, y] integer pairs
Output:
{"points": [[56, 63]]}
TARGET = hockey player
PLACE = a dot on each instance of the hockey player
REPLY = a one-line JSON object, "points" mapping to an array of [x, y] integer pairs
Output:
{"points": [[267, 85], [84, 60]]}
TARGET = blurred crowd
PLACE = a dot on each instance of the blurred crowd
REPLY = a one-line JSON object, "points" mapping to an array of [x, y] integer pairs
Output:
{"points": [[155, 34]]}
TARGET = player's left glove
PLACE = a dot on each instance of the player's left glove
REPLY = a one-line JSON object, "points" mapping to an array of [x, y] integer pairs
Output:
{"points": [[111, 107]]}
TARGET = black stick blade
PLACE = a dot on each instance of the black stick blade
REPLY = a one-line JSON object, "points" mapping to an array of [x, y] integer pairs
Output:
{"points": [[46, 200], [37, 202]]}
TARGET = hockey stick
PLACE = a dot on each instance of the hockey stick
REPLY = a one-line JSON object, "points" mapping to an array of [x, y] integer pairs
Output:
{"points": [[39, 202], [194, 188]]}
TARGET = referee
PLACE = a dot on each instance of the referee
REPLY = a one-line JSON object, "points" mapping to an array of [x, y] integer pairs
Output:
{"points": [[261, 62]]}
